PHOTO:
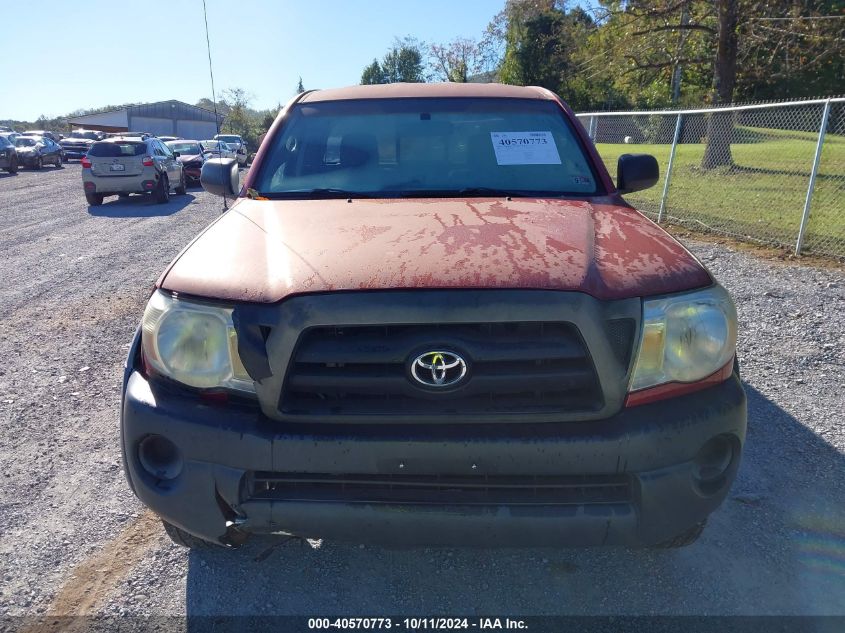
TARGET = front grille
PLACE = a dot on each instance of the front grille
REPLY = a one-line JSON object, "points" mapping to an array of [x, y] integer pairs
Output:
{"points": [[440, 489], [514, 368]]}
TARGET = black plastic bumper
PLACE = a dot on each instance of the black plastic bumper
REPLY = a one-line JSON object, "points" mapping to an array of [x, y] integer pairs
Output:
{"points": [[654, 445]]}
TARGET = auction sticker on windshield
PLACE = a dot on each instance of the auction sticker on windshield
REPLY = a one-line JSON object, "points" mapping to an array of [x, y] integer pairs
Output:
{"points": [[525, 148]]}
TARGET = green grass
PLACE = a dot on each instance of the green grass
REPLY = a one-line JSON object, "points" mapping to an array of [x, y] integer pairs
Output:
{"points": [[762, 197]]}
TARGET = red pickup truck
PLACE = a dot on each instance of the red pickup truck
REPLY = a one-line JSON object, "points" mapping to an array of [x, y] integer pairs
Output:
{"points": [[429, 317]]}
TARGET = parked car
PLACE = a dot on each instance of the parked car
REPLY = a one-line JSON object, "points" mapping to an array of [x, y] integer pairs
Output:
{"points": [[218, 149], [45, 133], [131, 164], [8, 155], [192, 156], [76, 145], [237, 144], [127, 135], [36, 151], [431, 317]]}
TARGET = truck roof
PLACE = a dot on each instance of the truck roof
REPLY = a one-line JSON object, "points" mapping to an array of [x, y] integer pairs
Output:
{"points": [[435, 90]]}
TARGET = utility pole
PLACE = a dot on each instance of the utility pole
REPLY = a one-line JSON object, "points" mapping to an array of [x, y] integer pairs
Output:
{"points": [[677, 69]]}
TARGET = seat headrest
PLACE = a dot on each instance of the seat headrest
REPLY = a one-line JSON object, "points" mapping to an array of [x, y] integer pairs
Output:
{"points": [[358, 149]]}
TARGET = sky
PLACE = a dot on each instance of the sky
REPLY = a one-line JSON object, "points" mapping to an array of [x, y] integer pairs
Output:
{"points": [[90, 53]]}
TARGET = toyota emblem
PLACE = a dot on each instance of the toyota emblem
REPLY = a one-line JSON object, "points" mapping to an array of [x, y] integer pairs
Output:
{"points": [[438, 369]]}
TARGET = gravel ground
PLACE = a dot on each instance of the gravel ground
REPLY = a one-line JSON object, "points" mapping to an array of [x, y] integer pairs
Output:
{"points": [[73, 539]]}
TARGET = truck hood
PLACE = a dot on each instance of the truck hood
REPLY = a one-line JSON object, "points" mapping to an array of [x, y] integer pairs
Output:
{"points": [[264, 251]]}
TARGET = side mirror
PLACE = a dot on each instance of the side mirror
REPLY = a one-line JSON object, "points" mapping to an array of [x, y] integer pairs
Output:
{"points": [[175, 154], [635, 172], [220, 176]]}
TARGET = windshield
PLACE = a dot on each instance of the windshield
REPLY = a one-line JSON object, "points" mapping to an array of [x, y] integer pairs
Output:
{"points": [[186, 149], [89, 135], [427, 147], [229, 139], [211, 145], [25, 142], [115, 150]]}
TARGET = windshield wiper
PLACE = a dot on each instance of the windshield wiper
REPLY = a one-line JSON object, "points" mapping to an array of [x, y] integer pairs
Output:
{"points": [[487, 192], [490, 191]]}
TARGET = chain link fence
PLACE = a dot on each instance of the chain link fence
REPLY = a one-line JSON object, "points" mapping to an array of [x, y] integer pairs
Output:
{"points": [[769, 173]]}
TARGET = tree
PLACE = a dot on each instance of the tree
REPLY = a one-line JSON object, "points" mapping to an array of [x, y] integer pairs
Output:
{"points": [[797, 50], [208, 104], [654, 52], [403, 62], [267, 120], [511, 27], [658, 51], [717, 152], [541, 45], [372, 74], [299, 87], [238, 119], [457, 60]]}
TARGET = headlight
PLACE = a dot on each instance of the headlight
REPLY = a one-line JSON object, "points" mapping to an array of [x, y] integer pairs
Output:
{"points": [[193, 343], [685, 338]]}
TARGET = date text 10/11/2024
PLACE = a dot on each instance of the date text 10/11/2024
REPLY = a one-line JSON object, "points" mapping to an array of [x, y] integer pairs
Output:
{"points": [[415, 624]]}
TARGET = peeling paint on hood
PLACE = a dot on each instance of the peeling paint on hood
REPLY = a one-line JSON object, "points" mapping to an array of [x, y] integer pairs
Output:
{"points": [[264, 251]]}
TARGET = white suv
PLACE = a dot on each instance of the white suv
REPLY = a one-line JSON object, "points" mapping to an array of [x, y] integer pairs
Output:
{"points": [[237, 143]]}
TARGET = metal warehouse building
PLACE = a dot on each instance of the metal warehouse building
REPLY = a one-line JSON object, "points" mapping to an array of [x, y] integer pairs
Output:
{"points": [[165, 118]]}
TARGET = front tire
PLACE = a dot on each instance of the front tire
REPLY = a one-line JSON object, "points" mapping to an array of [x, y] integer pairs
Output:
{"points": [[13, 165], [94, 199], [59, 161], [38, 164], [186, 539], [162, 193]]}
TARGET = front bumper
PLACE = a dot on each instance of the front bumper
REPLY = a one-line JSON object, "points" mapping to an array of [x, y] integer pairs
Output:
{"points": [[653, 446], [192, 173], [27, 159]]}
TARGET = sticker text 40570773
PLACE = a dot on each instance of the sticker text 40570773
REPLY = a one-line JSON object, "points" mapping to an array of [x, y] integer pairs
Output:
{"points": [[525, 148]]}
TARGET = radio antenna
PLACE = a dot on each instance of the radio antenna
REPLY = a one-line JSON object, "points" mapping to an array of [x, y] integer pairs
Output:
{"points": [[213, 93]]}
